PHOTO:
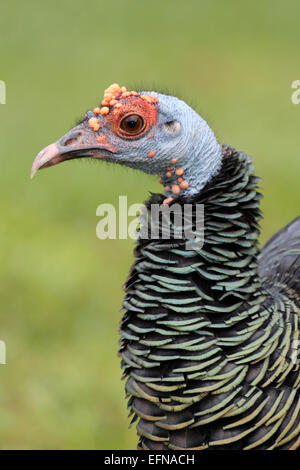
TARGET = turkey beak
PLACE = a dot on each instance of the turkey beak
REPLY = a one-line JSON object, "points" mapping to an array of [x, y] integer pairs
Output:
{"points": [[78, 143], [49, 156]]}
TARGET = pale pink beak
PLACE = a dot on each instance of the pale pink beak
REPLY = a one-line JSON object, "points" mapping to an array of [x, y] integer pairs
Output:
{"points": [[77, 143], [49, 156]]}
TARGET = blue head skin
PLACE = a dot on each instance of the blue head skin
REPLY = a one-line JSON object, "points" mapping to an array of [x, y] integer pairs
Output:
{"points": [[147, 131]]}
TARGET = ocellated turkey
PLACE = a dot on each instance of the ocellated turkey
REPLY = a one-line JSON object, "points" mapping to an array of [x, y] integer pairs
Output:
{"points": [[210, 334]]}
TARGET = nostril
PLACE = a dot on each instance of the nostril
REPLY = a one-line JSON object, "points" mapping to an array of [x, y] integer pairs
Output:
{"points": [[72, 139]]}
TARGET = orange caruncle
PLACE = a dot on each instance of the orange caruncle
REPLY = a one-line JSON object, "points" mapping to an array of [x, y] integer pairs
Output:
{"points": [[146, 98], [155, 100], [114, 93], [184, 185], [125, 94], [150, 99], [114, 88], [104, 111], [94, 124], [175, 189], [101, 139]]}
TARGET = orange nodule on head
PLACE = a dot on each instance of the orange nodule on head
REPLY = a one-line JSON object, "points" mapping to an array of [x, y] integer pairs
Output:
{"points": [[114, 93], [101, 139], [104, 110], [151, 153], [173, 160], [111, 94], [125, 94], [168, 174], [175, 189], [146, 98], [151, 99], [184, 184], [94, 124], [179, 171]]}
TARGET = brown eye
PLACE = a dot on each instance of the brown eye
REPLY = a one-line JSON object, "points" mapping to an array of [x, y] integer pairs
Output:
{"points": [[132, 124]]}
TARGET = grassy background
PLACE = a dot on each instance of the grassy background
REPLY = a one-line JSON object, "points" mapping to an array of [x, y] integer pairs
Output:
{"points": [[60, 289]]}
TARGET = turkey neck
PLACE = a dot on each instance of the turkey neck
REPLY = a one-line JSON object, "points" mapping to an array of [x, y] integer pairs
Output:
{"points": [[222, 275]]}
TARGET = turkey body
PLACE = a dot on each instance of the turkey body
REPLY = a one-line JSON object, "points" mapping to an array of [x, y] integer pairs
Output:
{"points": [[210, 333], [210, 336]]}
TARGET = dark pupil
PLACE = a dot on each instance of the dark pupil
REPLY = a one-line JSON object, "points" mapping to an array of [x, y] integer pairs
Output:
{"points": [[132, 123]]}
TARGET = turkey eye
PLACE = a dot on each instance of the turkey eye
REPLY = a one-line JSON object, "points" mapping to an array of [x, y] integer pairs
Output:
{"points": [[132, 124]]}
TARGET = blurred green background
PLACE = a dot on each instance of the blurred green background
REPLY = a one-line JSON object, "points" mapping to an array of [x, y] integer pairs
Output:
{"points": [[60, 286]]}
